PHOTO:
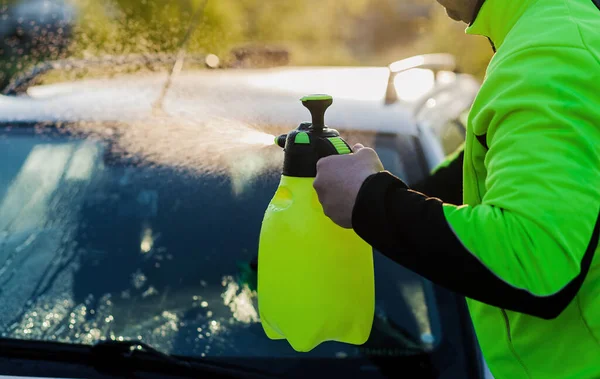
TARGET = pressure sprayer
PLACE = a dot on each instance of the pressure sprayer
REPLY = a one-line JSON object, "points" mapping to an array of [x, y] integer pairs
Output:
{"points": [[315, 278]]}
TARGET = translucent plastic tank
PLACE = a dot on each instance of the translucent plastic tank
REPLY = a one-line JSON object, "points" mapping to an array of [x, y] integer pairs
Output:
{"points": [[315, 279]]}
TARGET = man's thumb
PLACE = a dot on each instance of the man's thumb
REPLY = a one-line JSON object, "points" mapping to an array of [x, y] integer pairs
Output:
{"points": [[357, 147]]}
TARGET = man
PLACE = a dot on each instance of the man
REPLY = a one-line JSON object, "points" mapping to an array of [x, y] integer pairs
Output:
{"points": [[523, 248]]}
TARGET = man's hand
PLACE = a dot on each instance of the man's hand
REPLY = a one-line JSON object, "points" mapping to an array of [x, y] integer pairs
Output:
{"points": [[339, 178]]}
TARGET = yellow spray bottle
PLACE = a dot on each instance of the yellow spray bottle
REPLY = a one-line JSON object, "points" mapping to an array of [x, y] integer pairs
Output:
{"points": [[315, 279]]}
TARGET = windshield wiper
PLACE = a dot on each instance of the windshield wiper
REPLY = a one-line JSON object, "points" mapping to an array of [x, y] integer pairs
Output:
{"points": [[131, 356], [124, 357], [197, 18], [134, 356]]}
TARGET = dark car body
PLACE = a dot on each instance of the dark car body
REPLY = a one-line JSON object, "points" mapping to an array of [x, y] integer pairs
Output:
{"points": [[125, 219]]}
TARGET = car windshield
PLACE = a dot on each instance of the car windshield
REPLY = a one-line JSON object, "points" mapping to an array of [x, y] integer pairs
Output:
{"points": [[96, 246]]}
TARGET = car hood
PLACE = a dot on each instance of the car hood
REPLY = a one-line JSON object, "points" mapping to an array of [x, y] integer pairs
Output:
{"points": [[265, 96]]}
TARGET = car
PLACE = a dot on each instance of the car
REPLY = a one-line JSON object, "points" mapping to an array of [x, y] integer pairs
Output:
{"points": [[130, 210]]}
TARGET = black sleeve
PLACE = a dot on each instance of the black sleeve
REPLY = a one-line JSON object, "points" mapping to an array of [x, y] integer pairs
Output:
{"points": [[411, 229], [446, 183]]}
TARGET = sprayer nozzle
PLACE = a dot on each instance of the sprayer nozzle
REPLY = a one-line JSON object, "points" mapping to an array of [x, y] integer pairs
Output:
{"points": [[317, 105], [280, 140]]}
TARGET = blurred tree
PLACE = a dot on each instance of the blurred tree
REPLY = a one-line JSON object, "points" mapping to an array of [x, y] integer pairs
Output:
{"points": [[315, 32], [146, 26]]}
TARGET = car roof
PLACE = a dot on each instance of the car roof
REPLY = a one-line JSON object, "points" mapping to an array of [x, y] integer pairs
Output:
{"points": [[257, 96]]}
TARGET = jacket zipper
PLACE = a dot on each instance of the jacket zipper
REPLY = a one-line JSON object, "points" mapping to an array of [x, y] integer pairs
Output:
{"points": [[510, 343]]}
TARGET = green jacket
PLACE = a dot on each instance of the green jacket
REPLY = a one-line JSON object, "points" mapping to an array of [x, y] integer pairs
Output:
{"points": [[524, 246]]}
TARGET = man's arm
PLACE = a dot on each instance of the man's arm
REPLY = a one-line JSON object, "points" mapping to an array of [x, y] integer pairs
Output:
{"points": [[529, 244], [446, 181]]}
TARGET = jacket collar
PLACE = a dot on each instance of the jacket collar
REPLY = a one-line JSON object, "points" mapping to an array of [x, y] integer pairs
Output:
{"points": [[496, 18]]}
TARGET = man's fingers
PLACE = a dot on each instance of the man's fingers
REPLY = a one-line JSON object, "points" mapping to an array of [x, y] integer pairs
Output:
{"points": [[365, 151], [318, 184], [323, 162], [370, 155], [357, 147], [321, 173]]}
